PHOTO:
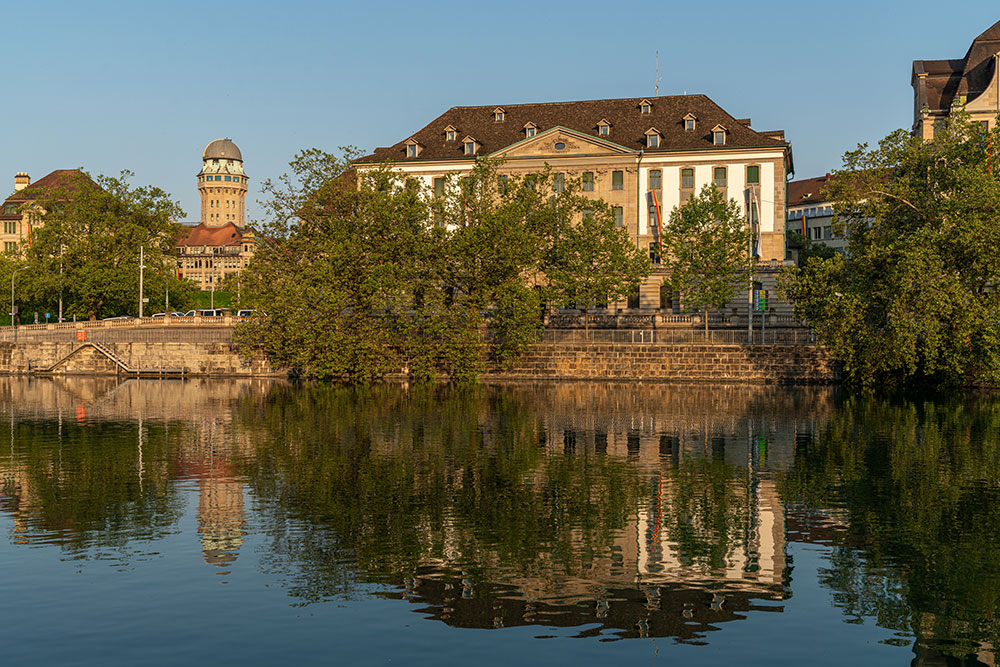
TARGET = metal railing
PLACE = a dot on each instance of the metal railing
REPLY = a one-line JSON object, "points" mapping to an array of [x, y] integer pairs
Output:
{"points": [[690, 336], [640, 320]]}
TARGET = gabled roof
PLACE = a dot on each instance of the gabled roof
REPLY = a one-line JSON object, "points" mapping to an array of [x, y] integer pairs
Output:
{"points": [[807, 191], [942, 81], [630, 126], [202, 235], [68, 181]]}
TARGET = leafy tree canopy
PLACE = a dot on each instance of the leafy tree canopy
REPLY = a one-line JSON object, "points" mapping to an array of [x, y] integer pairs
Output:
{"points": [[706, 250], [364, 273], [915, 299], [87, 248]]}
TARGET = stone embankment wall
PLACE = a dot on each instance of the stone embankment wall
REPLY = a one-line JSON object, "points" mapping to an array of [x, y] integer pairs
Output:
{"points": [[627, 361], [174, 358], [687, 362]]}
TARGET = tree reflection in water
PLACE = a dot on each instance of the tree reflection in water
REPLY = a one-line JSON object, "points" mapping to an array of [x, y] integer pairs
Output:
{"points": [[622, 510]]}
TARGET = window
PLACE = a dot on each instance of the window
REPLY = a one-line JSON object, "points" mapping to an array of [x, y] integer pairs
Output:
{"points": [[689, 124], [633, 298], [228, 179], [654, 252], [603, 130], [687, 184], [618, 180], [588, 181], [502, 184], [529, 132], [9, 246], [719, 137], [753, 175], [411, 150], [498, 115], [449, 133], [470, 147], [652, 141], [655, 179], [719, 177], [559, 182], [439, 187], [619, 214], [645, 106]]}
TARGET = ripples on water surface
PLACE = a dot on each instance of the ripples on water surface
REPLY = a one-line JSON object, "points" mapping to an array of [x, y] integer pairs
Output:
{"points": [[256, 523]]}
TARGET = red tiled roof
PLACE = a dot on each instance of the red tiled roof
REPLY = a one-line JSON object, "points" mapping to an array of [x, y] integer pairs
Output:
{"points": [[628, 127], [202, 235]]}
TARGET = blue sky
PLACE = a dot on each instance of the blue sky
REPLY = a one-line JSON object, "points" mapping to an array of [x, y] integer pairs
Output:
{"points": [[144, 86]]}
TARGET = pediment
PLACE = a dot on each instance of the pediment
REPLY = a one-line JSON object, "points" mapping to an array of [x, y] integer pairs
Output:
{"points": [[545, 144]]}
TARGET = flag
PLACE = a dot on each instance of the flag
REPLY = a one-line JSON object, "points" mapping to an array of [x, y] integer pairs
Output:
{"points": [[804, 224]]}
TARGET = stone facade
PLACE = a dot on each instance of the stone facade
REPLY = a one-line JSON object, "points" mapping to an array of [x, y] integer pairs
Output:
{"points": [[220, 245]]}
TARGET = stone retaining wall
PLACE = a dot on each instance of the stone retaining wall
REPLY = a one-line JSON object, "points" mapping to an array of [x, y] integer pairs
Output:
{"points": [[220, 359], [701, 362], [783, 364]]}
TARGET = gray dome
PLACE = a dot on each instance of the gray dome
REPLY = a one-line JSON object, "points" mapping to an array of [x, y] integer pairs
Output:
{"points": [[222, 148]]}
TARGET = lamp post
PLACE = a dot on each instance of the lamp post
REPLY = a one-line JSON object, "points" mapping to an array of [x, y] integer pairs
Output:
{"points": [[12, 321]]}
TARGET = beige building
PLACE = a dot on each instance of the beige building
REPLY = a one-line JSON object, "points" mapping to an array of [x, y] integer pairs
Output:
{"points": [[20, 217], [643, 156], [810, 213], [971, 83], [220, 244]]}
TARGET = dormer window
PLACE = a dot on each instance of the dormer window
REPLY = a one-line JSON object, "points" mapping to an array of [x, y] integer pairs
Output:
{"points": [[719, 135], [470, 146], [530, 129], [690, 121], [652, 138], [646, 106], [412, 148], [450, 133], [498, 114], [603, 128]]}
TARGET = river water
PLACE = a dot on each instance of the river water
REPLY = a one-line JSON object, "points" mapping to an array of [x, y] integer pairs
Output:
{"points": [[239, 523]]}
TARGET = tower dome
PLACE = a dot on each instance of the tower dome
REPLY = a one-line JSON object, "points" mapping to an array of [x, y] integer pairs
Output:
{"points": [[222, 149], [223, 184]]}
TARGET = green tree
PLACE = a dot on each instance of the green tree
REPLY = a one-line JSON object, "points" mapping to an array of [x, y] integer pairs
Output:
{"points": [[915, 300], [809, 250], [87, 249], [705, 250], [594, 262]]}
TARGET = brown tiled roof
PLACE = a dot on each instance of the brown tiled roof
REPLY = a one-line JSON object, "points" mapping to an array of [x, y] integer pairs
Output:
{"points": [[945, 79], [628, 127], [68, 180], [201, 235], [806, 191]]}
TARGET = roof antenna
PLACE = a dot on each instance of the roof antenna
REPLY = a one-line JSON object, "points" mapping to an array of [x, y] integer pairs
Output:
{"points": [[657, 82]]}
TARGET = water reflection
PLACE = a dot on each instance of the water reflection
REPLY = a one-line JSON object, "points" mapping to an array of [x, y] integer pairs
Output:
{"points": [[618, 510]]}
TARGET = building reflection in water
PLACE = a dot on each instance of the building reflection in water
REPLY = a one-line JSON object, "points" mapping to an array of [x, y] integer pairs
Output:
{"points": [[618, 510], [180, 430]]}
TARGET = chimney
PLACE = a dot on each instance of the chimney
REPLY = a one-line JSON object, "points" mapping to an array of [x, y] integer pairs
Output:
{"points": [[21, 180]]}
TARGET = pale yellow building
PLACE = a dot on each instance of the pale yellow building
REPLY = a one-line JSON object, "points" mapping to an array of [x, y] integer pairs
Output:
{"points": [[643, 156], [220, 245]]}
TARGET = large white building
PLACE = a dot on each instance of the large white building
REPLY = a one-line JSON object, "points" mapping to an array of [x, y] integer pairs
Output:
{"points": [[629, 152]]}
